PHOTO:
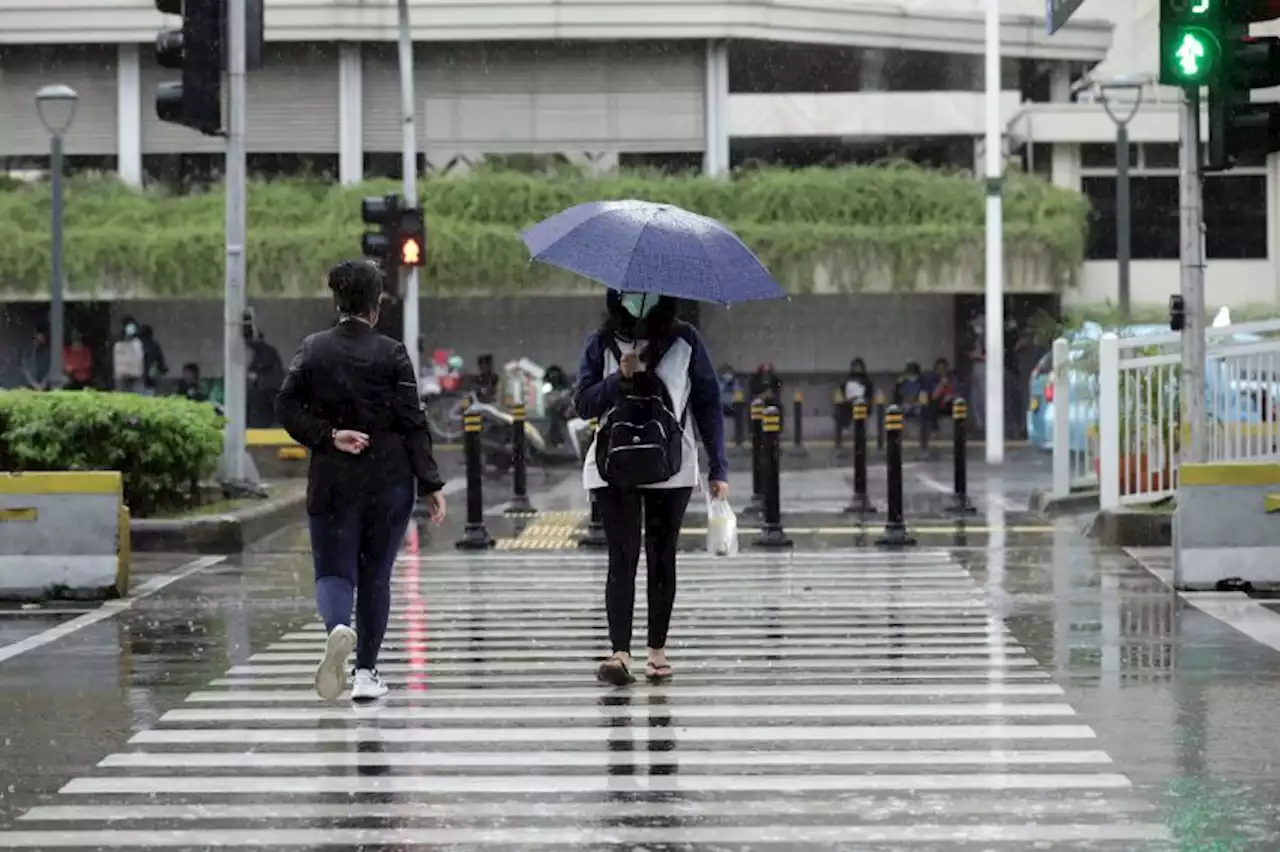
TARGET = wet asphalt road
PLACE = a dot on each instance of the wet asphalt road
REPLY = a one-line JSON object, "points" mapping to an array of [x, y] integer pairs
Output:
{"points": [[1005, 687]]}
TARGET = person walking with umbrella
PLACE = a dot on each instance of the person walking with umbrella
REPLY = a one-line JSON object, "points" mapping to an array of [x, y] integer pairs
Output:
{"points": [[648, 379], [643, 353]]}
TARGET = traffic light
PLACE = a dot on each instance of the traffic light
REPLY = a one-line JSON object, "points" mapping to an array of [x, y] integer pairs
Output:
{"points": [[383, 212], [1190, 47], [411, 237], [196, 50], [1242, 132]]}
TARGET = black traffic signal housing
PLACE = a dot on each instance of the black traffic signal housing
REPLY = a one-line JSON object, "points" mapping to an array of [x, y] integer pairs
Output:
{"points": [[383, 213], [1190, 41], [1177, 313], [196, 50], [411, 237], [1242, 132]]}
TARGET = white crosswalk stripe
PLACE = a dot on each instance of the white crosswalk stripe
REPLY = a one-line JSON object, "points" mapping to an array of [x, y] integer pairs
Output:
{"points": [[821, 701]]}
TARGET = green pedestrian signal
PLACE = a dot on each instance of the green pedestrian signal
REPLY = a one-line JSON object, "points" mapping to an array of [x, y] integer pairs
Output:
{"points": [[1192, 56]]}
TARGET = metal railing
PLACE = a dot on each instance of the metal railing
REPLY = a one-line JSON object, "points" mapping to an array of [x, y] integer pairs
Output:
{"points": [[1139, 419]]}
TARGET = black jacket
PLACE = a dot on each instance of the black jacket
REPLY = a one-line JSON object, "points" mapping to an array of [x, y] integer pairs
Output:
{"points": [[352, 377]]}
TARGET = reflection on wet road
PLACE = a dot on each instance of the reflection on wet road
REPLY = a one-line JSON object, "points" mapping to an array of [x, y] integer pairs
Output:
{"points": [[833, 699], [1009, 691]]}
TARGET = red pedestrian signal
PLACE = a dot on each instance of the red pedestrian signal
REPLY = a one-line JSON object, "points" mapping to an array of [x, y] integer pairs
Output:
{"points": [[411, 236], [411, 252]]}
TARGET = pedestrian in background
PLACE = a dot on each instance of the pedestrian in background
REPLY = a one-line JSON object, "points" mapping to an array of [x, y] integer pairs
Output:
{"points": [[351, 398], [128, 359], [643, 374]]}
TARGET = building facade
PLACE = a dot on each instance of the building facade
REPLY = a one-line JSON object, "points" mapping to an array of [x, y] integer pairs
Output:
{"points": [[696, 83]]}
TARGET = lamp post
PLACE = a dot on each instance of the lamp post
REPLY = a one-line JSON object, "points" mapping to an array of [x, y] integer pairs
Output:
{"points": [[1099, 90], [56, 106]]}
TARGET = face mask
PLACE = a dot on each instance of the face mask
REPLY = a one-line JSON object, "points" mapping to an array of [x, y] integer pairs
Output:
{"points": [[131, 330], [639, 305]]}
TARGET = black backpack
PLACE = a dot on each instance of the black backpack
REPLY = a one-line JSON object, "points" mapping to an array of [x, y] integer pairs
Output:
{"points": [[640, 440]]}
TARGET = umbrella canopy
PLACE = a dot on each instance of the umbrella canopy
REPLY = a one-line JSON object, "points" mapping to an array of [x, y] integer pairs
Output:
{"points": [[642, 247]]}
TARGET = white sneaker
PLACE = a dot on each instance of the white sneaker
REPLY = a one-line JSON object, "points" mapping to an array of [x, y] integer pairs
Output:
{"points": [[367, 686], [331, 674]]}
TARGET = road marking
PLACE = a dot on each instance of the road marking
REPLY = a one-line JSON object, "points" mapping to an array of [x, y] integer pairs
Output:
{"points": [[108, 609]]}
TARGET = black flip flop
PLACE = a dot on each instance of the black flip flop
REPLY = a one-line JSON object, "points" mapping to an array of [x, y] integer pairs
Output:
{"points": [[615, 671]]}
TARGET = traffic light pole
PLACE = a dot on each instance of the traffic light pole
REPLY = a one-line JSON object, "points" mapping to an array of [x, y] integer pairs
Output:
{"points": [[236, 466], [408, 113], [1192, 262]]}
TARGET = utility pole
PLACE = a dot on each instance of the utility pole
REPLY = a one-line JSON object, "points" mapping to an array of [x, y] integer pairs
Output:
{"points": [[1192, 263], [234, 452], [994, 332], [408, 113]]}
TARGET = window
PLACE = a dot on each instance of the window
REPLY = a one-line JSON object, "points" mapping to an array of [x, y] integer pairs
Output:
{"points": [[1102, 155], [1235, 217]]}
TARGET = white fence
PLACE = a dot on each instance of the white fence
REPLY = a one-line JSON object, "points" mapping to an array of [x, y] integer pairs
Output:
{"points": [[1118, 410]]}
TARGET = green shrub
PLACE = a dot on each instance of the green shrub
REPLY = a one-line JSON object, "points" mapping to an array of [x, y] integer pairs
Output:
{"points": [[898, 218], [162, 445]]}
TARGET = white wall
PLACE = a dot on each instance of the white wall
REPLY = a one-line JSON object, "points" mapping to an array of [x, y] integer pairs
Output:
{"points": [[1236, 283]]}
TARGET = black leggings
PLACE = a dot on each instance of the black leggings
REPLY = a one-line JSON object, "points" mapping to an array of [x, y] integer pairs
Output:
{"points": [[620, 512]]}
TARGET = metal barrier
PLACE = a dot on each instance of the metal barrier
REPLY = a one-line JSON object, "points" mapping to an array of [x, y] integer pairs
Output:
{"points": [[1073, 394], [1141, 428]]}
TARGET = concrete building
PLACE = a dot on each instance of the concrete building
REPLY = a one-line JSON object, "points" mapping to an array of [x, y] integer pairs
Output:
{"points": [[605, 83]]}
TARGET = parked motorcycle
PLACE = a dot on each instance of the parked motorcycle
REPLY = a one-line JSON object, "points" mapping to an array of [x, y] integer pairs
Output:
{"points": [[440, 389]]}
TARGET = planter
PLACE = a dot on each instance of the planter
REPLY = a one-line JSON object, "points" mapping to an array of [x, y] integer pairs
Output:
{"points": [[1137, 475]]}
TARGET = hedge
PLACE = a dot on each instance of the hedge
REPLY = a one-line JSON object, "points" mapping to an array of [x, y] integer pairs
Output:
{"points": [[162, 445], [898, 218]]}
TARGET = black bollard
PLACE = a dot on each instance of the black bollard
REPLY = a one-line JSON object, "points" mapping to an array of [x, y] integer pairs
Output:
{"points": [[959, 419], [739, 420], [797, 406], [771, 532], [594, 536], [757, 448], [878, 412], [895, 530], [861, 504], [474, 536], [519, 504], [923, 403]]}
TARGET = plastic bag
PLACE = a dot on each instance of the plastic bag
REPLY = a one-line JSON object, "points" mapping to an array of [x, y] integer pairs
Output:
{"points": [[722, 528]]}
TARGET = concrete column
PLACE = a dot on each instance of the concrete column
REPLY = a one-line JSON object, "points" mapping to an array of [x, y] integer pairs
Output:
{"points": [[350, 113], [715, 162], [871, 71], [1065, 171], [129, 115], [1060, 83]]}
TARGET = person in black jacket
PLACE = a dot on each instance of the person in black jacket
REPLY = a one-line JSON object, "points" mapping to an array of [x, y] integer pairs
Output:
{"points": [[350, 397]]}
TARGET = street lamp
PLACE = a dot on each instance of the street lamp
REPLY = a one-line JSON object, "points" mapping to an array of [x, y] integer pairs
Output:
{"points": [[56, 106], [1098, 90]]}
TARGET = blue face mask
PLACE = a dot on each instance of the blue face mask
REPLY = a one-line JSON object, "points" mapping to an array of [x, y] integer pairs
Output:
{"points": [[639, 305]]}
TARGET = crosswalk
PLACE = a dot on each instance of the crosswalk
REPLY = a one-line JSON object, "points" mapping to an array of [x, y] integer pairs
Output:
{"points": [[839, 700]]}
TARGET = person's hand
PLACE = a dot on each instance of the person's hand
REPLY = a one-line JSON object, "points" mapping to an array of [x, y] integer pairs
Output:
{"points": [[719, 489], [629, 365], [350, 441], [435, 504]]}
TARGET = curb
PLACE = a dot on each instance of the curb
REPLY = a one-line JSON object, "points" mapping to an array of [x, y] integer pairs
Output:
{"points": [[218, 534], [1045, 503], [1132, 529]]}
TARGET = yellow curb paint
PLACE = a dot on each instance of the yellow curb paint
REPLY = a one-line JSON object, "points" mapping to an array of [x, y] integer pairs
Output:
{"points": [[27, 514], [1230, 473], [1271, 503], [63, 482]]}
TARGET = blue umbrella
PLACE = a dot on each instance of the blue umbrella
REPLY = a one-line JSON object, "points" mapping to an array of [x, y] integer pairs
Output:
{"points": [[641, 247]]}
